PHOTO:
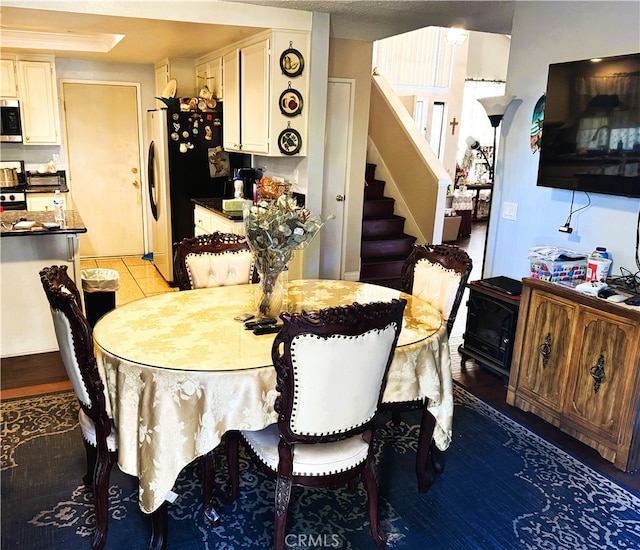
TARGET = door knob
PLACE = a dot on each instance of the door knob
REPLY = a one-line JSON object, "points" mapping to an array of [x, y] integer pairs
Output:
{"points": [[340, 198], [135, 183], [134, 170]]}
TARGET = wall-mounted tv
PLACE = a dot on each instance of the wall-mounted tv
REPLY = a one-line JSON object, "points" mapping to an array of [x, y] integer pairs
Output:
{"points": [[591, 133]]}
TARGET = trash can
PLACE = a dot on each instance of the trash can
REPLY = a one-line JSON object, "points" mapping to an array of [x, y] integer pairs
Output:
{"points": [[99, 289]]}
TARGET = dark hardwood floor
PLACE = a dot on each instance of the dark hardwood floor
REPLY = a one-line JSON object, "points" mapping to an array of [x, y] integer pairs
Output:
{"points": [[37, 374]]}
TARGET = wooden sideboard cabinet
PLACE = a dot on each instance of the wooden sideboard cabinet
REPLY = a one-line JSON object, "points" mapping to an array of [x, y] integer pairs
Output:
{"points": [[576, 363]]}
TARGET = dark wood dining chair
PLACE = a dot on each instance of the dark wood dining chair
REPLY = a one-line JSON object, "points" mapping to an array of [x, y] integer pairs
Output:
{"points": [[324, 436], [75, 340], [438, 274], [99, 433], [215, 259]]}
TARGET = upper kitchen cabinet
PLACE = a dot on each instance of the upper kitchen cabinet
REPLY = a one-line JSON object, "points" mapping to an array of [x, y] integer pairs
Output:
{"points": [[266, 86], [180, 70], [38, 95], [209, 74], [8, 85]]}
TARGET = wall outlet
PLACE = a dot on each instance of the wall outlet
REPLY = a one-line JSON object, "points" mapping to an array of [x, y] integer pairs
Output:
{"points": [[510, 210]]}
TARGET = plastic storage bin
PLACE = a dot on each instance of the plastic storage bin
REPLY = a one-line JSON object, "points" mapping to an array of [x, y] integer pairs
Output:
{"points": [[554, 271], [99, 288]]}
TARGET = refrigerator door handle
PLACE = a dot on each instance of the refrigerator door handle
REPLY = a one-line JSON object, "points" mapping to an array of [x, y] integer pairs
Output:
{"points": [[152, 180]]}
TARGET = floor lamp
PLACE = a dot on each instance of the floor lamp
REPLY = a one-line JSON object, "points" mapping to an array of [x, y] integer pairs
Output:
{"points": [[496, 107]]}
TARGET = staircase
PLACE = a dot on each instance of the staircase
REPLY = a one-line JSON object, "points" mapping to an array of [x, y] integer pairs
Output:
{"points": [[385, 245]]}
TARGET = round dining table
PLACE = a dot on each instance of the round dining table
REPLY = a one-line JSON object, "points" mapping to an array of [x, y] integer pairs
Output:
{"points": [[180, 371]]}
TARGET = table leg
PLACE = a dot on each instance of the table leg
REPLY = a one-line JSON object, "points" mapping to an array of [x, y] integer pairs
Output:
{"points": [[159, 528]]}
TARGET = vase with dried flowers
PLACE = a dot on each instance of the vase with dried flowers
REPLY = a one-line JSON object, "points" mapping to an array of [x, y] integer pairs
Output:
{"points": [[274, 229]]}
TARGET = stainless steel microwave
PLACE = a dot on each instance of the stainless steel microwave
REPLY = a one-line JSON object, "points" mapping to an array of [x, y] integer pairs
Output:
{"points": [[10, 125]]}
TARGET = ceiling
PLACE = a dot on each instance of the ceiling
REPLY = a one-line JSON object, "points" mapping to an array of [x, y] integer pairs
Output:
{"points": [[147, 41]]}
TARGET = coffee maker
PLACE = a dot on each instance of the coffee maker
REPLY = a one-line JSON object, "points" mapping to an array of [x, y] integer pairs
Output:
{"points": [[249, 177]]}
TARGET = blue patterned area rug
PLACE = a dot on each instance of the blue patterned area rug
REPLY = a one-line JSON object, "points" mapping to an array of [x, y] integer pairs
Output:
{"points": [[503, 487]]}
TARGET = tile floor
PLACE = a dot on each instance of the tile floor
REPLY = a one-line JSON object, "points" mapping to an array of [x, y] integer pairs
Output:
{"points": [[138, 278]]}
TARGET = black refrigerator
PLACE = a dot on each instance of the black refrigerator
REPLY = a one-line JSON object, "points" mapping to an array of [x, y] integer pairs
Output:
{"points": [[185, 161]]}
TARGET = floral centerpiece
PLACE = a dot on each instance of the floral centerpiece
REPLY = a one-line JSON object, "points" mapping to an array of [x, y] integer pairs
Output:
{"points": [[274, 229]]}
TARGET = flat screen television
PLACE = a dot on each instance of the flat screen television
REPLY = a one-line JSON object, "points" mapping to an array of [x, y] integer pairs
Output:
{"points": [[591, 130]]}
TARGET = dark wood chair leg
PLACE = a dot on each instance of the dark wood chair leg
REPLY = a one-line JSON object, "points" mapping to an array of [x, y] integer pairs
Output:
{"points": [[372, 499], [396, 418], [92, 456], [233, 487], [424, 467], [208, 464], [159, 528], [283, 495], [438, 458], [101, 474]]}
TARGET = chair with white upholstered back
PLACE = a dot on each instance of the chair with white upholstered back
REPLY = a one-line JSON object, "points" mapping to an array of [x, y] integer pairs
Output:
{"points": [[75, 340], [331, 368], [100, 438], [216, 259], [438, 274]]}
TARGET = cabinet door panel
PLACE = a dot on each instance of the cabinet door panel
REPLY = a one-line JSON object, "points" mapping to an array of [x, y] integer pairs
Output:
{"points": [[606, 355], [8, 78], [547, 349], [254, 83], [39, 102], [231, 119]]}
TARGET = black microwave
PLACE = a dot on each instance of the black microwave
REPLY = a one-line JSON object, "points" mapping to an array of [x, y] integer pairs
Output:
{"points": [[10, 125]]}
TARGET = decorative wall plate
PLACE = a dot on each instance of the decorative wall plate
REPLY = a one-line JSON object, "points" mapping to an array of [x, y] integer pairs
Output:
{"points": [[289, 141], [169, 91], [291, 62], [290, 102], [537, 122]]}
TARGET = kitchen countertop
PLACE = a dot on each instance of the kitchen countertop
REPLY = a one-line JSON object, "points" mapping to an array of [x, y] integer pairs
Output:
{"points": [[215, 205], [74, 223]]}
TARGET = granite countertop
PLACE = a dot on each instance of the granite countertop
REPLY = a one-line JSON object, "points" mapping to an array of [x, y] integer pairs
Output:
{"points": [[74, 223], [215, 205]]}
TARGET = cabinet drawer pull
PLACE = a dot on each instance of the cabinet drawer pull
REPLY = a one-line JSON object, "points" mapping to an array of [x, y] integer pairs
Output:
{"points": [[597, 373], [545, 350]]}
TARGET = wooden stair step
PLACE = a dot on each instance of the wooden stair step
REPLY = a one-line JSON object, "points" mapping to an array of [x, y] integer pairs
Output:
{"points": [[374, 189], [381, 268], [375, 227], [369, 171], [388, 245], [378, 208]]}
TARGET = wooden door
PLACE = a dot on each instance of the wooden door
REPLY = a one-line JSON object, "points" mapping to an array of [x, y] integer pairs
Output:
{"points": [[102, 127], [546, 351], [337, 161]]}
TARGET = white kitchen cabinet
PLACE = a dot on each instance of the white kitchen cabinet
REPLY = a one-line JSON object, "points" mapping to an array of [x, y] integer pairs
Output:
{"points": [[27, 327], [209, 74], [38, 94], [253, 83], [207, 221], [246, 84], [179, 69], [8, 84]]}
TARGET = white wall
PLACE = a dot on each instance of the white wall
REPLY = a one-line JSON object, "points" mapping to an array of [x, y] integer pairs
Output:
{"points": [[544, 33]]}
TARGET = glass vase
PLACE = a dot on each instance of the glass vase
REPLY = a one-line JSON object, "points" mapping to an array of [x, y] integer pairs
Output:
{"points": [[269, 293]]}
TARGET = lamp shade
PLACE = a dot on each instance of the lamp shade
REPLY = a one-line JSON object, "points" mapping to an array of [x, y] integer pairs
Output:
{"points": [[496, 107]]}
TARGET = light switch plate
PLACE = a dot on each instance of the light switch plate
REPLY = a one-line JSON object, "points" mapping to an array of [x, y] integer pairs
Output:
{"points": [[510, 210]]}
